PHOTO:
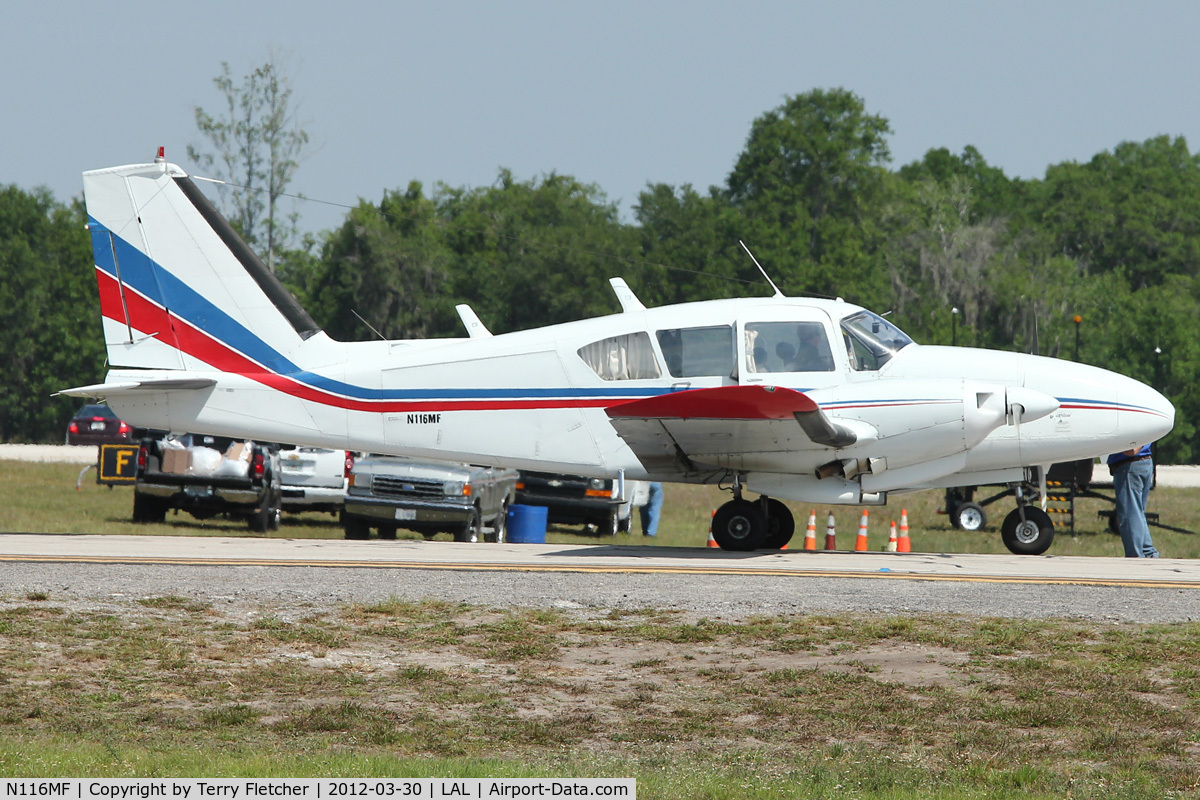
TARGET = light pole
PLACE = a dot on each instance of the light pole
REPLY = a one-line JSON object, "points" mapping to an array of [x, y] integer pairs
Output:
{"points": [[954, 326]]}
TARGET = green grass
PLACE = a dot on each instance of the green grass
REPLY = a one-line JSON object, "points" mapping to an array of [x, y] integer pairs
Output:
{"points": [[937, 706], [41, 498], [773, 707]]}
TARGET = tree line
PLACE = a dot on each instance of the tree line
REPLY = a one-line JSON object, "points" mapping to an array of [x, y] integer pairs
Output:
{"points": [[1097, 261]]}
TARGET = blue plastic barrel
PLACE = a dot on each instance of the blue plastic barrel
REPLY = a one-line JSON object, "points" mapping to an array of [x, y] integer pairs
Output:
{"points": [[527, 524]]}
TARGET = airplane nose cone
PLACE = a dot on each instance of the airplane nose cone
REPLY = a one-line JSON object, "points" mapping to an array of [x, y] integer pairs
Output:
{"points": [[1146, 415]]}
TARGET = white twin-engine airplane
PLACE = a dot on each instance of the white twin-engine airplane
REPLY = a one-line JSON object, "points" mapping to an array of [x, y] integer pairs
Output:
{"points": [[818, 401]]}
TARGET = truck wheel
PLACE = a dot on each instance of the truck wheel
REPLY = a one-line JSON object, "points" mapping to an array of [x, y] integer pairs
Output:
{"points": [[499, 527], [387, 531], [148, 509], [260, 521], [355, 528], [470, 531], [1030, 537]]}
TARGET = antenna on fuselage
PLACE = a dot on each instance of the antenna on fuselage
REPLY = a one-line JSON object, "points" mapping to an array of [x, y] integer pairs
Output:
{"points": [[760, 269], [369, 325]]}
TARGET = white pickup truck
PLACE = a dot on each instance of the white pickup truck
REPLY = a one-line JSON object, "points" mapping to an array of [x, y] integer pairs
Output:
{"points": [[314, 478]]}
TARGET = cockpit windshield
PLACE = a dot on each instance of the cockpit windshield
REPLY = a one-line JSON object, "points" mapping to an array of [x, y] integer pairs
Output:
{"points": [[871, 340]]}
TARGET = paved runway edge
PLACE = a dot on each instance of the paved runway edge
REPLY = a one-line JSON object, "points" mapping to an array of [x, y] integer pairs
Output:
{"points": [[220, 551]]}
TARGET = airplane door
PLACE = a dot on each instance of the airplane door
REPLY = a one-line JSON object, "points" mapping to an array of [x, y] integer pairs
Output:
{"points": [[789, 346]]}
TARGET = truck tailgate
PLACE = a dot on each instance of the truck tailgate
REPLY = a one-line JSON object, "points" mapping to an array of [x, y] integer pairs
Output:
{"points": [[313, 466]]}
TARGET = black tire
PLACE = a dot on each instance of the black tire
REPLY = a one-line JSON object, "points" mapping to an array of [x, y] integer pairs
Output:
{"points": [[1030, 537], [968, 517], [472, 529], [499, 527], [147, 508], [612, 525], [355, 528], [265, 519], [780, 525], [387, 531], [626, 525], [739, 525]]}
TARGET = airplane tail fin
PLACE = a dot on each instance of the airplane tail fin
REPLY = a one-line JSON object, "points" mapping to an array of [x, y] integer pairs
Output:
{"points": [[179, 289]]}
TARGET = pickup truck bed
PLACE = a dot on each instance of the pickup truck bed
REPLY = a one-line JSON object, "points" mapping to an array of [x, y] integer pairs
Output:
{"points": [[207, 476]]}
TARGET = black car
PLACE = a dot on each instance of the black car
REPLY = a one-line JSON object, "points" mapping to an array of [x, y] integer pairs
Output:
{"points": [[576, 500], [96, 424]]}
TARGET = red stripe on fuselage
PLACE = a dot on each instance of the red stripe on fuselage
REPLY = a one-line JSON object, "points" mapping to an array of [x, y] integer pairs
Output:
{"points": [[149, 317]]}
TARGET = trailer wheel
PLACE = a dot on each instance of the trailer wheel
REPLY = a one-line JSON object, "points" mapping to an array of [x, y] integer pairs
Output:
{"points": [[968, 517], [1029, 537]]}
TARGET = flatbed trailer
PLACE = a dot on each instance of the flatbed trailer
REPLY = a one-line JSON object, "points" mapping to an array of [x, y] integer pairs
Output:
{"points": [[1064, 484]]}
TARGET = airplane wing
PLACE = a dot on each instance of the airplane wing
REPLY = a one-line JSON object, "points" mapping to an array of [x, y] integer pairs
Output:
{"points": [[697, 429]]}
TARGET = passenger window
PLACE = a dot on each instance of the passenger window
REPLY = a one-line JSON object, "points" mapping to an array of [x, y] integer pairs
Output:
{"points": [[788, 347], [695, 352], [622, 358]]}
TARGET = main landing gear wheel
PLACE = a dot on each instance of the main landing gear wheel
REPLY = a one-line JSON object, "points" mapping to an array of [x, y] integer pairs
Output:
{"points": [[739, 525], [780, 524], [1031, 536], [968, 517]]}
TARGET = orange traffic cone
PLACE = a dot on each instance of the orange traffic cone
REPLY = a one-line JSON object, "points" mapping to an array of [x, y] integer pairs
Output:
{"points": [[810, 534], [860, 544], [892, 544], [830, 534], [711, 541], [905, 544]]}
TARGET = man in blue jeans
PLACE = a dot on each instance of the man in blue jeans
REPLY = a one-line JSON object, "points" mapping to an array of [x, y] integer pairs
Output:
{"points": [[652, 510], [1133, 474]]}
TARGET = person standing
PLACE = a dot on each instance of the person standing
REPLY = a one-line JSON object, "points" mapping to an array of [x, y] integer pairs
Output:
{"points": [[652, 510], [1133, 474]]}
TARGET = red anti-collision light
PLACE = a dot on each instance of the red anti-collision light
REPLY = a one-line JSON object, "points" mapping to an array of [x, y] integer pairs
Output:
{"points": [[349, 464]]}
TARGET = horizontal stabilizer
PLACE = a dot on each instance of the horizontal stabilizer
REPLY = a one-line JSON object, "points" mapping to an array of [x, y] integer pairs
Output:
{"points": [[127, 387]]}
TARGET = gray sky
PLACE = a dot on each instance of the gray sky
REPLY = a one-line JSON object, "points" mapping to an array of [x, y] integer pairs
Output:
{"points": [[616, 93]]}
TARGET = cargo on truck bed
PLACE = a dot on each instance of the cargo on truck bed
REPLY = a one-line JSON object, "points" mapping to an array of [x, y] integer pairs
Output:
{"points": [[206, 476]]}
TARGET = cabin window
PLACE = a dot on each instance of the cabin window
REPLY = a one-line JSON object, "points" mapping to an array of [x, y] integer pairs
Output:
{"points": [[622, 358], [871, 340], [788, 347], [696, 352]]}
